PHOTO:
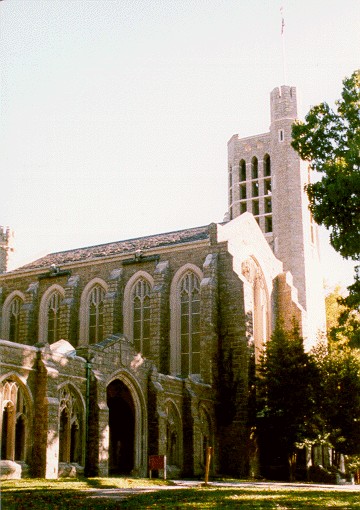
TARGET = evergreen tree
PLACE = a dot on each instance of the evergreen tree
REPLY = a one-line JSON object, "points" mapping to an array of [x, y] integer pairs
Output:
{"points": [[286, 399]]}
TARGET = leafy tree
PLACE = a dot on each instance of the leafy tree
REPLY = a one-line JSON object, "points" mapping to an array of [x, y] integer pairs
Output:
{"points": [[342, 318], [338, 395], [286, 398], [330, 141]]}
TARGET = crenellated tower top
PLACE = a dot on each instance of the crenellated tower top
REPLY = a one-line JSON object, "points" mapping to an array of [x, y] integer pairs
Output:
{"points": [[6, 247], [283, 103]]}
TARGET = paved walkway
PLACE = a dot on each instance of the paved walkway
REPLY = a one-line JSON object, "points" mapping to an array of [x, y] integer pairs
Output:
{"points": [[121, 494]]}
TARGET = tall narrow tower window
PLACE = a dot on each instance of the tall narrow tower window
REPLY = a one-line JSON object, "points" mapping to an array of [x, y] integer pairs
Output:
{"points": [[255, 189], [281, 135], [243, 191], [255, 207], [268, 224], [254, 168], [267, 166], [267, 187], [267, 205], [242, 170]]}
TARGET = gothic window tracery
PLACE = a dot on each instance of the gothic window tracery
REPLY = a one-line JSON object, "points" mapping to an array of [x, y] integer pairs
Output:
{"points": [[70, 444], [53, 318], [11, 317], [96, 314], [190, 324], [173, 436], [141, 316], [14, 422], [14, 319]]}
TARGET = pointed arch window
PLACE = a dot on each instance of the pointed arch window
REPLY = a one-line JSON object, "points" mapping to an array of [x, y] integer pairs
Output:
{"points": [[267, 166], [14, 319], [53, 318], [14, 422], [70, 444], [254, 168], [190, 324], [242, 170], [96, 314], [173, 435], [141, 316]]}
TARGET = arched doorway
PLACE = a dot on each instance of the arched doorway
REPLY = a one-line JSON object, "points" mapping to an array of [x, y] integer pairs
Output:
{"points": [[122, 428]]}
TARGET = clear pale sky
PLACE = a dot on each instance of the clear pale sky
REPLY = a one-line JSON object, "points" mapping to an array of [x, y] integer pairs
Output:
{"points": [[115, 115]]}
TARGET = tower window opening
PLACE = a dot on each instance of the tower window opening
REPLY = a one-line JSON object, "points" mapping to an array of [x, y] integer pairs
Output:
{"points": [[242, 170], [255, 207], [243, 191], [254, 168], [281, 135], [267, 187], [268, 224], [268, 206], [243, 208], [255, 189], [267, 166]]}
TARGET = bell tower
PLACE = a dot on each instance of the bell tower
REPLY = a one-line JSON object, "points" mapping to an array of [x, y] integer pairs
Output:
{"points": [[266, 178]]}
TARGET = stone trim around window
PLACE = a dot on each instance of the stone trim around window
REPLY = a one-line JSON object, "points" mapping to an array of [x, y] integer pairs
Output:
{"points": [[5, 332], [175, 313], [84, 316]]}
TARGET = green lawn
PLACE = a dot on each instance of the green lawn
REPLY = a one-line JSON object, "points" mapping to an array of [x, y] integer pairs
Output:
{"points": [[70, 494]]}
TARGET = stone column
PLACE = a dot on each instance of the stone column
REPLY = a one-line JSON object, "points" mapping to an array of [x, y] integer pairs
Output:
{"points": [[28, 322], [46, 440], [209, 318], [159, 318], [97, 447], [68, 315], [112, 312]]}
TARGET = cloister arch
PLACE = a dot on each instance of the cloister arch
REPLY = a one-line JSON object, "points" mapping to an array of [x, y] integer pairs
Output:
{"points": [[127, 425]]}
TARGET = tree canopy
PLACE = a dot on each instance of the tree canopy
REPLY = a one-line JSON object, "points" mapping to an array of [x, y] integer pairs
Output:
{"points": [[330, 141], [286, 396]]}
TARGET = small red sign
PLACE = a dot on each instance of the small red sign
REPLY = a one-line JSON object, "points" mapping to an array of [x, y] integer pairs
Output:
{"points": [[156, 462]]}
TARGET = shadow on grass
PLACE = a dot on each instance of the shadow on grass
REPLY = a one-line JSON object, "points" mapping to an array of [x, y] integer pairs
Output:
{"points": [[192, 498], [252, 499]]}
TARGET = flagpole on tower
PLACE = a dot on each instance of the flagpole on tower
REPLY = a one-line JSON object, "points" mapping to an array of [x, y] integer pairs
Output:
{"points": [[283, 43]]}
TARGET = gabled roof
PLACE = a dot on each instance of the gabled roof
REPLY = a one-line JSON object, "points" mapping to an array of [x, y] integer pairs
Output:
{"points": [[120, 248]]}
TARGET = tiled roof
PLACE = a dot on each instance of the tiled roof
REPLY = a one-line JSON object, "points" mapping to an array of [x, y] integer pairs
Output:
{"points": [[120, 248]]}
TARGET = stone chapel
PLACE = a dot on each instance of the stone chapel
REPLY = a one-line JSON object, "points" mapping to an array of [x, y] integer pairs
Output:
{"points": [[112, 353]]}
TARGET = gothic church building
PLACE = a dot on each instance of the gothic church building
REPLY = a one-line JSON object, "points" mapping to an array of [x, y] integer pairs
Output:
{"points": [[112, 353]]}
